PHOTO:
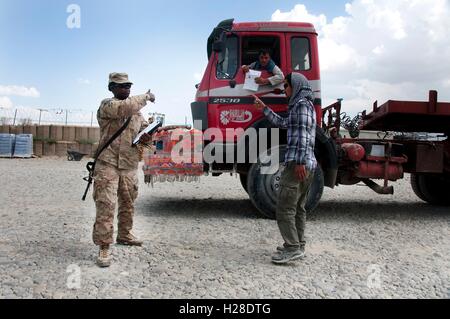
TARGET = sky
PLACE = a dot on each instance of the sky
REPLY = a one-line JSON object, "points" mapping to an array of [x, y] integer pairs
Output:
{"points": [[369, 49]]}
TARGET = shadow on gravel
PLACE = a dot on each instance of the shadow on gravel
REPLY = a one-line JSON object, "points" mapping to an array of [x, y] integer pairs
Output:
{"points": [[327, 210], [370, 211], [199, 208]]}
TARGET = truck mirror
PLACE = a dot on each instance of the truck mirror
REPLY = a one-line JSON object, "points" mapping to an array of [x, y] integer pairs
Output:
{"points": [[219, 46]]}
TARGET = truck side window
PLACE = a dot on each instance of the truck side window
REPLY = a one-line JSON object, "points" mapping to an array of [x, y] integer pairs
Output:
{"points": [[300, 53], [227, 65]]}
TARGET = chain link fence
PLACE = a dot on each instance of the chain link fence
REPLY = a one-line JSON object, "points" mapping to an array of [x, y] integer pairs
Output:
{"points": [[22, 116]]}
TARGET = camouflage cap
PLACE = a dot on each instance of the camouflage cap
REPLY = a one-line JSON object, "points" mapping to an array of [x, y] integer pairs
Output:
{"points": [[119, 78]]}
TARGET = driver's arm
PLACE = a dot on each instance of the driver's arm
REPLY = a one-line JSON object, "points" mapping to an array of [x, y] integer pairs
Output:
{"points": [[277, 78]]}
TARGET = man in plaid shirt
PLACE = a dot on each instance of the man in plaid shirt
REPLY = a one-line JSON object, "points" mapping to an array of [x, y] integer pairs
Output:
{"points": [[300, 165]]}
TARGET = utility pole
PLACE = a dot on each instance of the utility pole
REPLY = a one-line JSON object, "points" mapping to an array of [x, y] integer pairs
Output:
{"points": [[67, 111], [92, 119], [40, 114], [15, 116]]}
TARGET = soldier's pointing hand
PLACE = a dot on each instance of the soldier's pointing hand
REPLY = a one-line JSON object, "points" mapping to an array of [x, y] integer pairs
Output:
{"points": [[151, 96]]}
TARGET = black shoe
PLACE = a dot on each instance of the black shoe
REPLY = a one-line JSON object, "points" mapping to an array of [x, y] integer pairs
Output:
{"points": [[282, 248], [285, 256]]}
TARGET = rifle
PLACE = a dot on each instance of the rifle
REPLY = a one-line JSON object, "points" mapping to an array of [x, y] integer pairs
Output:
{"points": [[91, 165]]}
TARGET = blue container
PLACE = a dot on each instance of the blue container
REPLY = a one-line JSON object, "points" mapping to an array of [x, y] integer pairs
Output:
{"points": [[7, 145], [23, 147]]}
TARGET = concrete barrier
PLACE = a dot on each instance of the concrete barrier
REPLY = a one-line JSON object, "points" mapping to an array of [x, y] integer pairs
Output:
{"points": [[18, 129], [94, 134], [61, 149], [43, 132], [49, 149], [30, 129], [69, 134], [82, 134], [56, 140], [38, 148], [56, 133], [4, 129]]}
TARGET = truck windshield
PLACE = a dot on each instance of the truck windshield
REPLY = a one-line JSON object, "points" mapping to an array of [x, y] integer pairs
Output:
{"points": [[300, 52], [228, 60]]}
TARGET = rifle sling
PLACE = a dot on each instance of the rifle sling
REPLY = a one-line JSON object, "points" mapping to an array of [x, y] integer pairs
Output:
{"points": [[112, 139]]}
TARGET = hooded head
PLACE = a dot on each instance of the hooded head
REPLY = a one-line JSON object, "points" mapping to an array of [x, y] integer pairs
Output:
{"points": [[300, 88]]}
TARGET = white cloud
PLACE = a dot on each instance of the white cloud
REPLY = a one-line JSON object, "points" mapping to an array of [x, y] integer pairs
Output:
{"points": [[384, 49], [15, 90], [300, 13], [446, 83], [5, 102], [198, 76], [83, 81]]}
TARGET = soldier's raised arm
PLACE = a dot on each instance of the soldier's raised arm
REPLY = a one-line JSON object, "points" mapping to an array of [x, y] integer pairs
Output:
{"points": [[116, 109]]}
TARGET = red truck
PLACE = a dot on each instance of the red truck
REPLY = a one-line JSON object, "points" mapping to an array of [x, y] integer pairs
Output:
{"points": [[223, 105]]}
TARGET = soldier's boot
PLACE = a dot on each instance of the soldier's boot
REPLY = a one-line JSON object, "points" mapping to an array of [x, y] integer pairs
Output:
{"points": [[130, 241], [104, 257]]}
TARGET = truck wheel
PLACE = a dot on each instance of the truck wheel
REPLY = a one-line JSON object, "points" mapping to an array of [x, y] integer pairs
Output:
{"points": [[433, 189], [416, 187], [243, 178], [263, 189]]}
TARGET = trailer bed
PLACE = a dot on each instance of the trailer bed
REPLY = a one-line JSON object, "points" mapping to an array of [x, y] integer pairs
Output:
{"points": [[409, 116]]}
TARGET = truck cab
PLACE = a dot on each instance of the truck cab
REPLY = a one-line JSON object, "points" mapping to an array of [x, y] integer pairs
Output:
{"points": [[221, 101]]}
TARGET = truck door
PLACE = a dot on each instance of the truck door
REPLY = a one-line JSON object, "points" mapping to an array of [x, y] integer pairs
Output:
{"points": [[302, 57]]}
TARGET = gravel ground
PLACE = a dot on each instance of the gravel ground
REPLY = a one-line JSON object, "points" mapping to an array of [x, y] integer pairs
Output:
{"points": [[205, 240]]}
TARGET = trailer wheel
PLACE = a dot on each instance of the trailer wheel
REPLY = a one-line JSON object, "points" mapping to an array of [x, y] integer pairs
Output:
{"points": [[263, 188], [243, 179], [431, 188]]}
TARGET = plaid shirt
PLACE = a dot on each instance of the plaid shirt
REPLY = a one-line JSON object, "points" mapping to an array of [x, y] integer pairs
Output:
{"points": [[301, 125]]}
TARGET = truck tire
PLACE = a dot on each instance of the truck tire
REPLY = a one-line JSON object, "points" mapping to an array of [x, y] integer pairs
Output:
{"points": [[431, 188], [416, 188], [243, 179], [263, 188]]}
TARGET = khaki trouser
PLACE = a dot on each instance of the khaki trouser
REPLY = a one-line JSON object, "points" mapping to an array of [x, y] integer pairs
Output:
{"points": [[112, 184], [291, 212]]}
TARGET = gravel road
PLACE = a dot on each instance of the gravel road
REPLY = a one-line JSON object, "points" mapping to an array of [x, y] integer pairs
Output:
{"points": [[205, 240]]}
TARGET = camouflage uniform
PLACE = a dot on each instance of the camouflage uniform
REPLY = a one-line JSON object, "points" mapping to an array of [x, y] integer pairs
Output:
{"points": [[116, 170]]}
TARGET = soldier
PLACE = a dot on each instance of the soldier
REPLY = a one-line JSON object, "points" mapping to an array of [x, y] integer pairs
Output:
{"points": [[116, 170]]}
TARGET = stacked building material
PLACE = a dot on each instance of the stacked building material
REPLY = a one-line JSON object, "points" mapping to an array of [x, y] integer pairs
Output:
{"points": [[7, 145], [23, 147]]}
